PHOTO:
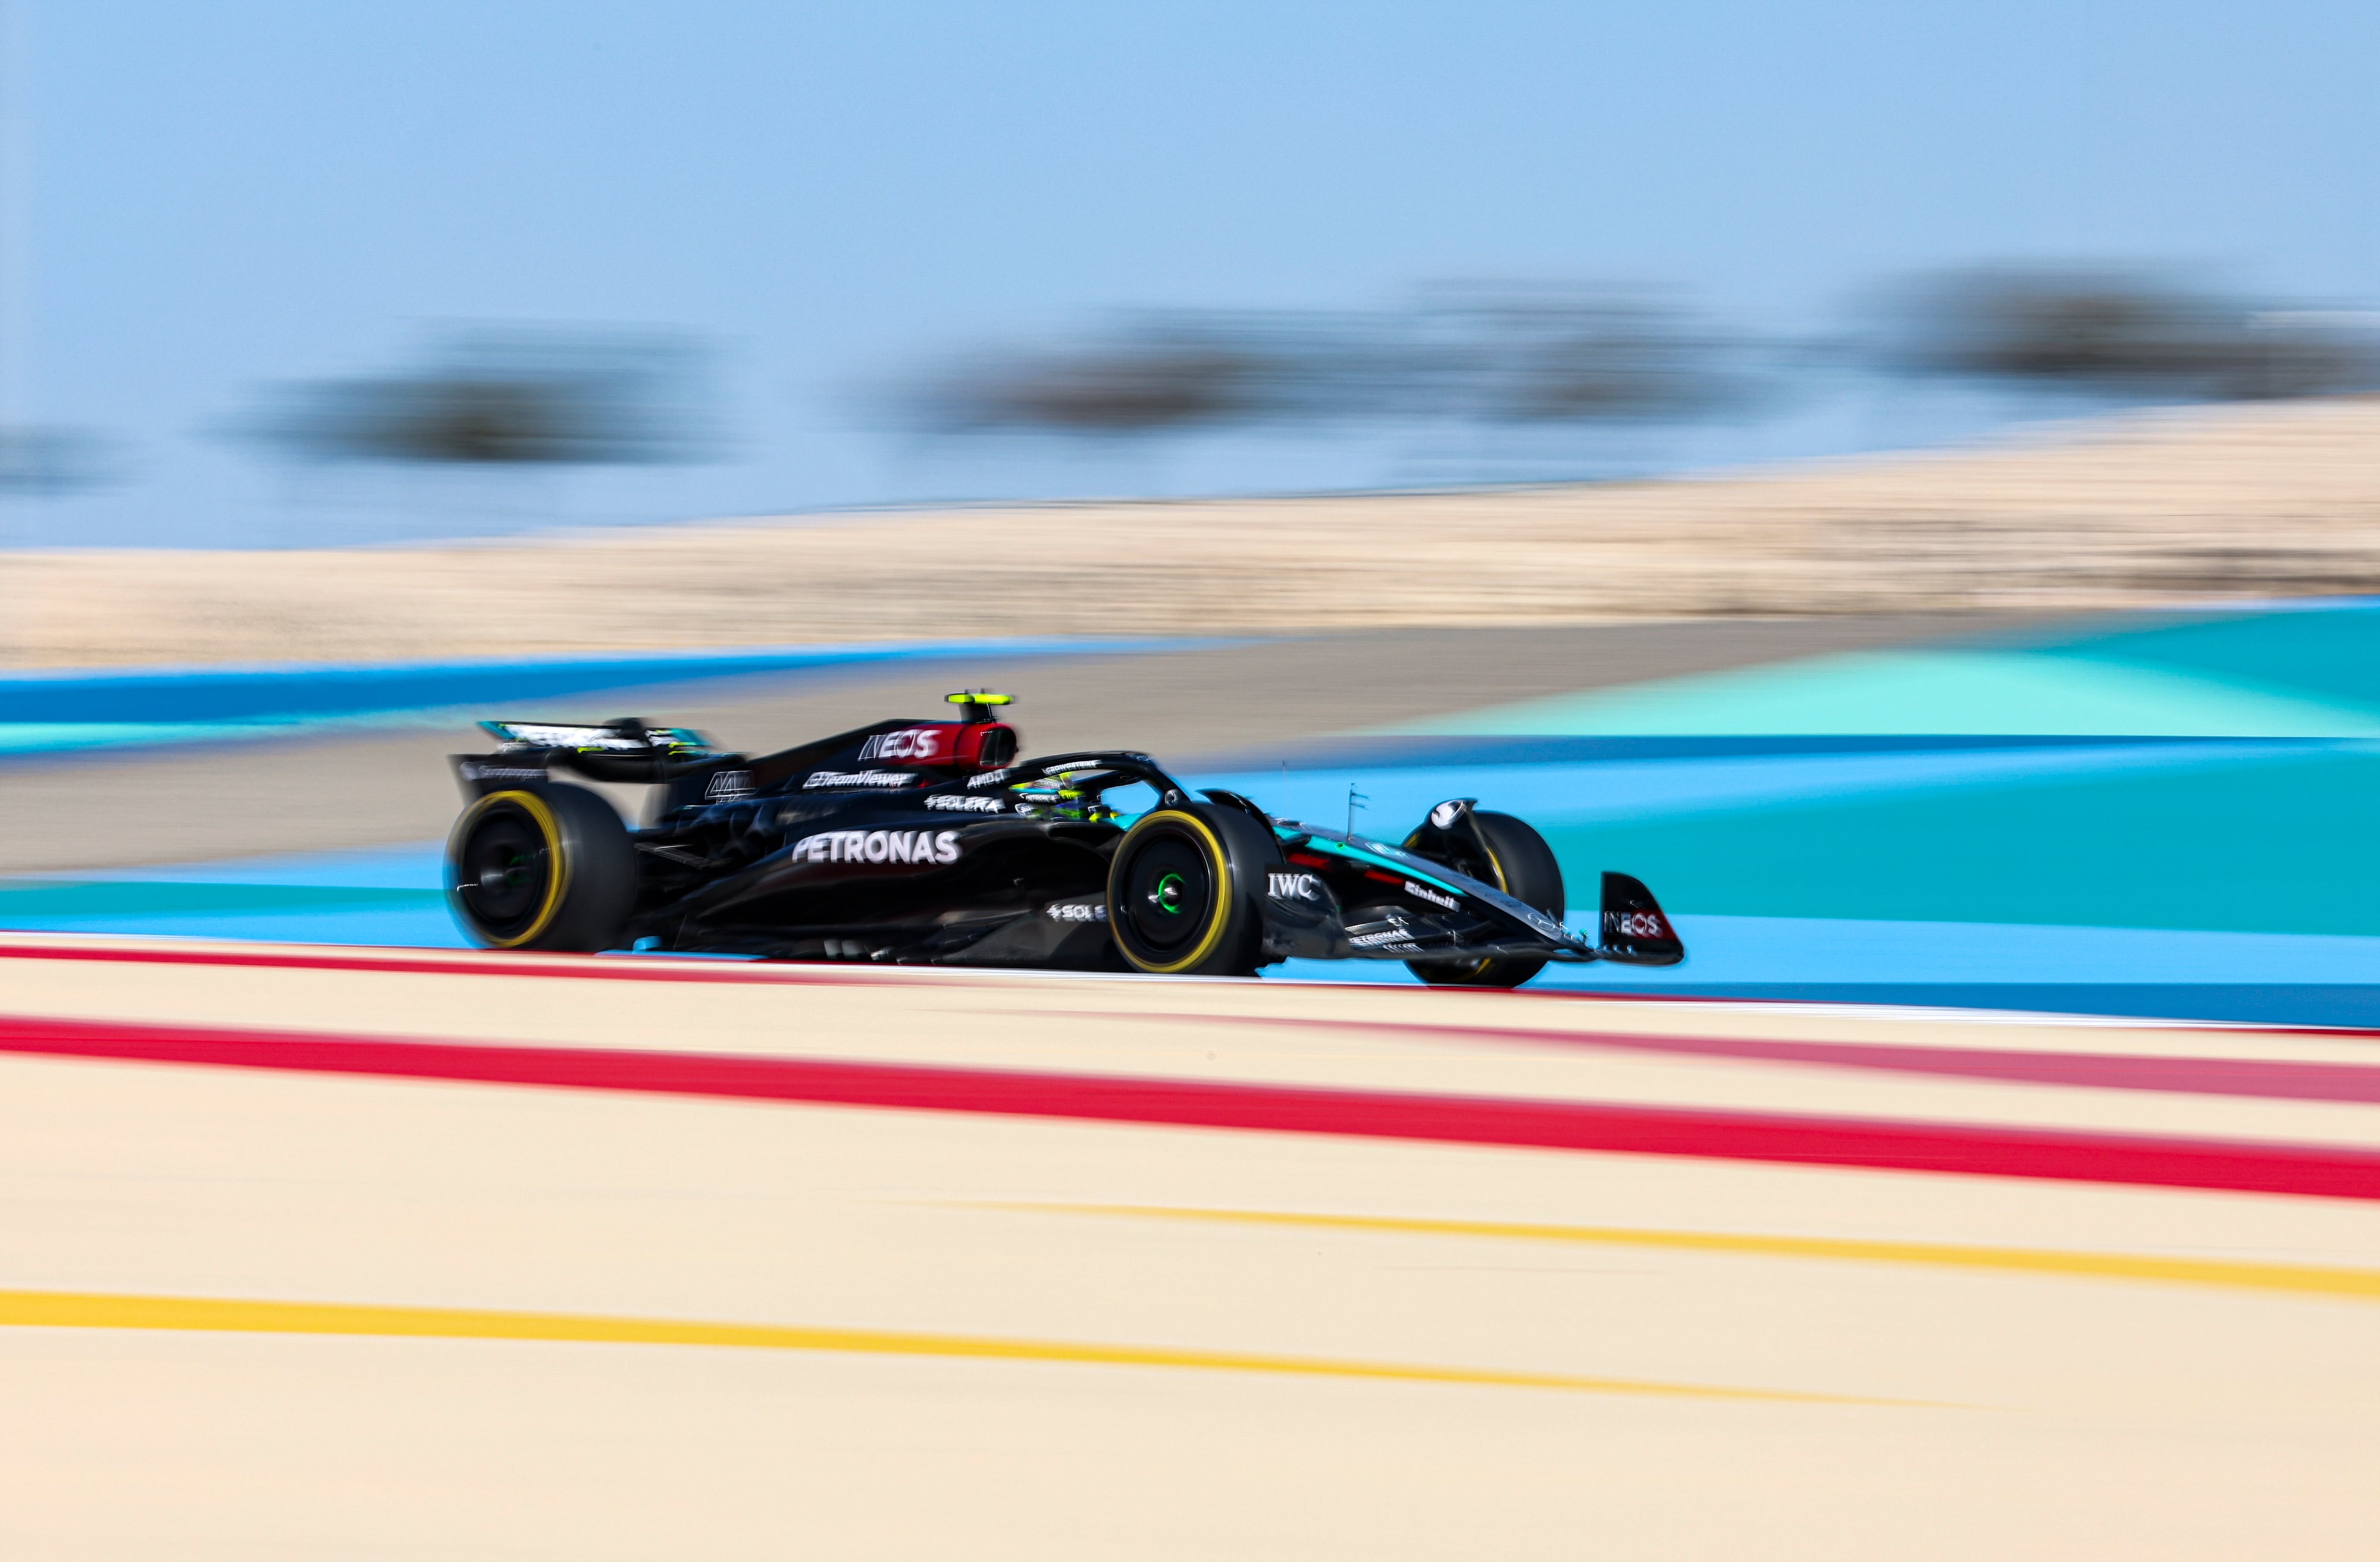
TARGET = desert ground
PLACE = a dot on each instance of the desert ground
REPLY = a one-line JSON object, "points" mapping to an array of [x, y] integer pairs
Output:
{"points": [[2146, 509]]}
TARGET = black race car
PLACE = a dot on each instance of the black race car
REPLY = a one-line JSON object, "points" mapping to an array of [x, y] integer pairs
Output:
{"points": [[930, 843]]}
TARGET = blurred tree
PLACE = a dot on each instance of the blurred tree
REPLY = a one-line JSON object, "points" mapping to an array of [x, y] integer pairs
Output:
{"points": [[1471, 355], [1128, 387], [502, 400], [2123, 334], [49, 463]]}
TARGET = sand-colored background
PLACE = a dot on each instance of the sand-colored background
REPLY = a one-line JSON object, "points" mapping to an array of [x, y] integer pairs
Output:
{"points": [[2150, 508]]}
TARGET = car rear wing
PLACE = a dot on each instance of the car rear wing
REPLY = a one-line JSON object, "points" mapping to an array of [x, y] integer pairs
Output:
{"points": [[626, 736], [626, 751]]}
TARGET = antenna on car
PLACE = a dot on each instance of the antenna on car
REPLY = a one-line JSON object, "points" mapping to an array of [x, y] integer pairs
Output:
{"points": [[975, 704], [1356, 800]]}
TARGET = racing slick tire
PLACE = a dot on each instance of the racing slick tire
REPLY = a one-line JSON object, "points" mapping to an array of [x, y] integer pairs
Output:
{"points": [[550, 869], [1184, 891], [1517, 860]]}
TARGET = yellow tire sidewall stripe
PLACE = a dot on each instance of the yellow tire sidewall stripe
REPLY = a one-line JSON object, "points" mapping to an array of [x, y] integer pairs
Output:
{"points": [[1223, 893], [557, 874]]}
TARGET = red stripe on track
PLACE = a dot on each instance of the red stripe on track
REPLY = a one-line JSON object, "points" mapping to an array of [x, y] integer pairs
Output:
{"points": [[2288, 1080], [735, 972], [575, 968], [2265, 1079], [2340, 1173], [2270, 1079]]}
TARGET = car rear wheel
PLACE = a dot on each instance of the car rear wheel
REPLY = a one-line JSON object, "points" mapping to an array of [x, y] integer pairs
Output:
{"points": [[550, 869], [1179, 896], [1513, 857]]}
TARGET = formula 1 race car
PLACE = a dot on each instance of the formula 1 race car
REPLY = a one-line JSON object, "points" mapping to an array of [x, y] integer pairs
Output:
{"points": [[930, 843]]}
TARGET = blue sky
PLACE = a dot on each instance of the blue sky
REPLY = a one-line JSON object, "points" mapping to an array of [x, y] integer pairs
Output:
{"points": [[228, 196]]}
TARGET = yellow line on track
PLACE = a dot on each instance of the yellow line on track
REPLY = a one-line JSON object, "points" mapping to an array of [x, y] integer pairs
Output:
{"points": [[44, 1309], [2361, 1285]]}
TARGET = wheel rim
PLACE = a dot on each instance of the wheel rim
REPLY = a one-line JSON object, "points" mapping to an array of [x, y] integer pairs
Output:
{"points": [[503, 873], [1169, 892]]}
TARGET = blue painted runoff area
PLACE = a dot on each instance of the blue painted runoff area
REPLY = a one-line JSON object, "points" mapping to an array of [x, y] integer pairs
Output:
{"points": [[391, 896]]}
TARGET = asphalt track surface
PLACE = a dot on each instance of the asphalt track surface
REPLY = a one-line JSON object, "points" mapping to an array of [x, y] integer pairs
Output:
{"points": [[388, 780], [366, 1253]]}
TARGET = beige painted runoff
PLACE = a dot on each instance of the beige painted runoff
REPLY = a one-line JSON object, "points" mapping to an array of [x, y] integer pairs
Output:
{"points": [[2008, 1412]]}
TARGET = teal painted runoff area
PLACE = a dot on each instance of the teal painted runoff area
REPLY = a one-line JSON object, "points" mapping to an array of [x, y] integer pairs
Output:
{"points": [[2281, 835], [2297, 672], [1928, 691], [2279, 844]]}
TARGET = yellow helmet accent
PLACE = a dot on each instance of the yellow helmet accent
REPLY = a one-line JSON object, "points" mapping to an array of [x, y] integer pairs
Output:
{"points": [[980, 697]]}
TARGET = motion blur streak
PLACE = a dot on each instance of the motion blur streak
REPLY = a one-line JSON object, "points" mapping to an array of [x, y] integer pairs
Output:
{"points": [[47, 1309], [2362, 1285]]}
